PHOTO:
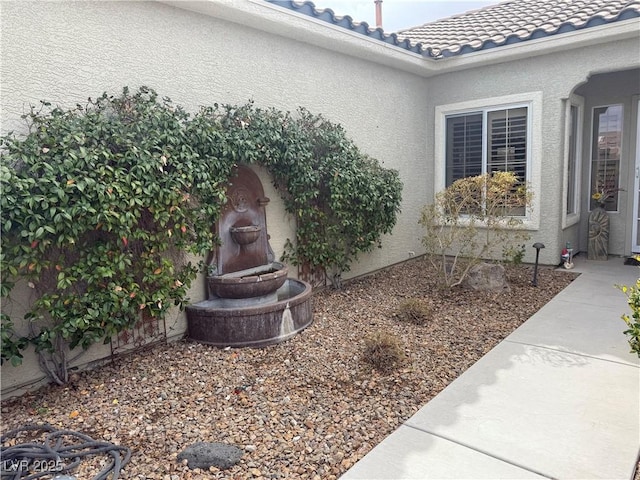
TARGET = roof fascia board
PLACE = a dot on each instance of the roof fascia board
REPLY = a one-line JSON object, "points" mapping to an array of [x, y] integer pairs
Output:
{"points": [[553, 43], [297, 26]]}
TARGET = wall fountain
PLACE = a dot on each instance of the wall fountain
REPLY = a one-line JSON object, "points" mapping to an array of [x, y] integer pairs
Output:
{"points": [[251, 301]]}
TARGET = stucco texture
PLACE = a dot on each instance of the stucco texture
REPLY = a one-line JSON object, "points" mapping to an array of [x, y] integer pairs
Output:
{"points": [[387, 99], [66, 52], [555, 77]]}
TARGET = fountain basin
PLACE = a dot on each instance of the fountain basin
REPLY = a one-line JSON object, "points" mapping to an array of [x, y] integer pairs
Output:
{"points": [[213, 323], [248, 283], [245, 235]]}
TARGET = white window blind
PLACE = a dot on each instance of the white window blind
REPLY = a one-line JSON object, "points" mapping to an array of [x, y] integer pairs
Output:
{"points": [[507, 142], [464, 147], [485, 142], [488, 141]]}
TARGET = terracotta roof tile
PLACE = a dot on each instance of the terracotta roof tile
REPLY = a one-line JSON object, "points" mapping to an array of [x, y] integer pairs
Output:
{"points": [[515, 21], [505, 23], [328, 15]]}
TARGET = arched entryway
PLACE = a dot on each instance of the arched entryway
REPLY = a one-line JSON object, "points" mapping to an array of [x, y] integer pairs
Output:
{"points": [[604, 138]]}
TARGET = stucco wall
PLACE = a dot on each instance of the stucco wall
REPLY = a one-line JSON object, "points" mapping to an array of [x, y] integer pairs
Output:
{"points": [[554, 76], [65, 52]]}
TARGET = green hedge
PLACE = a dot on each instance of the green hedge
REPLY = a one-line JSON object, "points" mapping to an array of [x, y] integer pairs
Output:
{"points": [[100, 203]]}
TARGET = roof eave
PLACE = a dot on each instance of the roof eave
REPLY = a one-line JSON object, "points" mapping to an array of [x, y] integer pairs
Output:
{"points": [[581, 38], [284, 22], [277, 20]]}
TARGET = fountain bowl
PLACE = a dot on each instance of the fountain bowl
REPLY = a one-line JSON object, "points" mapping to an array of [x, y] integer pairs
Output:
{"points": [[215, 323], [245, 235], [248, 283]]}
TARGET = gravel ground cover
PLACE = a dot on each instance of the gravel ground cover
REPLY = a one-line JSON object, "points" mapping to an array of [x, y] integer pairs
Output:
{"points": [[308, 408]]}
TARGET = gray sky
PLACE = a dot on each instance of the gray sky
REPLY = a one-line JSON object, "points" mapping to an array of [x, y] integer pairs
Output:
{"points": [[400, 14]]}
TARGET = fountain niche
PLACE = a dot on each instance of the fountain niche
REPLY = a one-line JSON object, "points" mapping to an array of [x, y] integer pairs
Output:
{"points": [[251, 302]]}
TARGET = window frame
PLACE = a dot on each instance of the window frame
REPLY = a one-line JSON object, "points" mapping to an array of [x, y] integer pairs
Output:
{"points": [[533, 102], [572, 217]]}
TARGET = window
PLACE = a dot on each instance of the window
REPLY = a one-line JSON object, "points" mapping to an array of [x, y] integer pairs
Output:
{"points": [[487, 141], [572, 160], [606, 145], [466, 132], [464, 147]]}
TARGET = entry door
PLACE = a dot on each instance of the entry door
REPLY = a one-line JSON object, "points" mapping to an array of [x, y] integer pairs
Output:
{"points": [[635, 244]]}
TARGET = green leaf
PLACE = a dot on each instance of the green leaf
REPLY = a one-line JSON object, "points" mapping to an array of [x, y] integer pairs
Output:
{"points": [[127, 169]]}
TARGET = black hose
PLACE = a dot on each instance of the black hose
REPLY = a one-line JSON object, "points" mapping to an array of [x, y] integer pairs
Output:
{"points": [[55, 456]]}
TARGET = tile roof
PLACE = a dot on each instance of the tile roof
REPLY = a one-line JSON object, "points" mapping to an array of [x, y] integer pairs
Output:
{"points": [[515, 21], [505, 23], [328, 15]]}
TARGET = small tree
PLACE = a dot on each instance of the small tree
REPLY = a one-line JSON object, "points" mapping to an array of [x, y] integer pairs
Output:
{"points": [[473, 219]]}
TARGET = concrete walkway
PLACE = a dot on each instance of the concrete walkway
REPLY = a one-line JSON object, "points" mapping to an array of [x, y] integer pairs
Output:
{"points": [[558, 398]]}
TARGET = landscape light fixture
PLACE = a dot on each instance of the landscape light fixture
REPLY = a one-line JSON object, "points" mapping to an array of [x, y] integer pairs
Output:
{"points": [[537, 246]]}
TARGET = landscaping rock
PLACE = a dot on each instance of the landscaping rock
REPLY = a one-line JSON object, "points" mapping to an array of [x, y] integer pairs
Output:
{"points": [[306, 407], [487, 277], [209, 454]]}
